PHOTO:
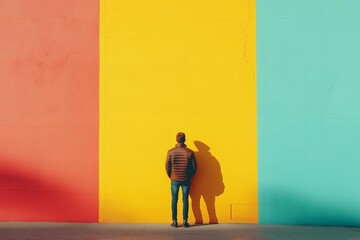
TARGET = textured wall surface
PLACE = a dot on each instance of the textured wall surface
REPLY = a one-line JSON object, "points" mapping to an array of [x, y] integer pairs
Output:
{"points": [[308, 112], [49, 110], [169, 66], [276, 138]]}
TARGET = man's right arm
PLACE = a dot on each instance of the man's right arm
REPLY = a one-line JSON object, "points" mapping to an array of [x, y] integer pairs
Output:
{"points": [[193, 164]]}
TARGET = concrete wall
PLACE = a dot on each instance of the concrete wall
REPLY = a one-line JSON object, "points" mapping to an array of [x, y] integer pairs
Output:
{"points": [[308, 112], [49, 110], [275, 131], [170, 66]]}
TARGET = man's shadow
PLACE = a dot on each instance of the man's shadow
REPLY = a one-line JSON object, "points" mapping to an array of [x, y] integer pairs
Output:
{"points": [[207, 183]]}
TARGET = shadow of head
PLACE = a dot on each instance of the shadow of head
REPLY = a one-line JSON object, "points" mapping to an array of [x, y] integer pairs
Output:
{"points": [[202, 147]]}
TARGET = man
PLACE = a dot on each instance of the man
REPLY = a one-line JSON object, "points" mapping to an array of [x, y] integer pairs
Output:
{"points": [[180, 166]]}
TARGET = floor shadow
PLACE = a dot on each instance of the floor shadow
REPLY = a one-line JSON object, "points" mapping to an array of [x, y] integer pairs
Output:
{"points": [[207, 183]]}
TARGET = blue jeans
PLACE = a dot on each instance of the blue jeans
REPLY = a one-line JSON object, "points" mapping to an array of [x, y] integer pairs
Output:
{"points": [[185, 187]]}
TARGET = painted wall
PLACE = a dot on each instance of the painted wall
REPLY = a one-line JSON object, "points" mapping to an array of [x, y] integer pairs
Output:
{"points": [[169, 66], [281, 151], [49, 110], [308, 112]]}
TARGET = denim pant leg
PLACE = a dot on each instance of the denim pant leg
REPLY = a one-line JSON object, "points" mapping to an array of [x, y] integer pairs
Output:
{"points": [[185, 187], [175, 185]]}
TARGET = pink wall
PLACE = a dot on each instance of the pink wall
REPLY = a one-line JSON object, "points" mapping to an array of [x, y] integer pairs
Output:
{"points": [[49, 110]]}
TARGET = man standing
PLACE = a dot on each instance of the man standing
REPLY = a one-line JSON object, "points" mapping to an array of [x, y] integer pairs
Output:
{"points": [[180, 166]]}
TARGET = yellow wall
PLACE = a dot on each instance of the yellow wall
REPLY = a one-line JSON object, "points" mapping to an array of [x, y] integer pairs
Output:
{"points": [[169, 66]]}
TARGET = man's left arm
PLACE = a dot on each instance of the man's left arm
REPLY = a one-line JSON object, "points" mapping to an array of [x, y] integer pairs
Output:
{"points": [[168, 165]]}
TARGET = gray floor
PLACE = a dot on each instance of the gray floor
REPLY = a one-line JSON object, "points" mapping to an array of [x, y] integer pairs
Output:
{"points": [[102, 231]]}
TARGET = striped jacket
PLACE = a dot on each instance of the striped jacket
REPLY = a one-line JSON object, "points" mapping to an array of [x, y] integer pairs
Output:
{"points": [[180, 163]]}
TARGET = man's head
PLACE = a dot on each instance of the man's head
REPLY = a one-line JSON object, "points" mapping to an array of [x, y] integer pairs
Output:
{"points": [[180, 137]]}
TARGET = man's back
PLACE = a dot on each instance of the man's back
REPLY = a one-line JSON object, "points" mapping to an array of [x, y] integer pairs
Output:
{"points": [[180, 163]]}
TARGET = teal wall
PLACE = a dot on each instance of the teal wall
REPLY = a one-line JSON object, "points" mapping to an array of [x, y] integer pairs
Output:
{"points": [[308, 93]]}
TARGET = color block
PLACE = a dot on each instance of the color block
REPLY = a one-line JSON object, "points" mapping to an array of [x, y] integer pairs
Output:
{"points": [[49, 110], [170, 66], [308, 111]]}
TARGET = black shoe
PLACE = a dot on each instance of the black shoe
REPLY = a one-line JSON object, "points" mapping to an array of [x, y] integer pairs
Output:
{"points": [[186, 224], [174, 224]]}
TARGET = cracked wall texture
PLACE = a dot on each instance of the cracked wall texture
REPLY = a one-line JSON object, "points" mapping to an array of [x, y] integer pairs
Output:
{"points": [[308, 112], [169, 66]]}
